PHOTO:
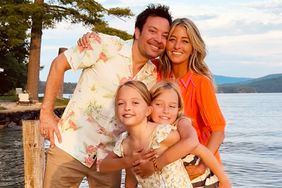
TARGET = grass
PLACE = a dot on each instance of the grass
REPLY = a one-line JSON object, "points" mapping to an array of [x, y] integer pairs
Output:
{"points": [[58, 102], [10, 98], [13, 98], [61, 102]]}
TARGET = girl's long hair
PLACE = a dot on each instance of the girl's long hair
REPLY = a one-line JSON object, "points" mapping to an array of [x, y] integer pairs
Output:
{"points": [[159, 87]]}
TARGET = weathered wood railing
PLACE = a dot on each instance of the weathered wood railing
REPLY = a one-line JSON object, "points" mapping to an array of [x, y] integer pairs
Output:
{"points": [[34, 154]]}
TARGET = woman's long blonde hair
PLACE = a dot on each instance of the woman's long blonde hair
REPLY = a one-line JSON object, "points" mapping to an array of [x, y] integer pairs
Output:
{"points": [[197, 59]]}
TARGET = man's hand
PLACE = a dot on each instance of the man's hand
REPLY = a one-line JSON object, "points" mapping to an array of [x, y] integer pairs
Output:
{"points": [[49, 126], [84, 40]]}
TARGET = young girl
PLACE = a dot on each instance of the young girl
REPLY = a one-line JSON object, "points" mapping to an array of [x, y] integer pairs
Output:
{"points": [[165, 97], [133, 108]]}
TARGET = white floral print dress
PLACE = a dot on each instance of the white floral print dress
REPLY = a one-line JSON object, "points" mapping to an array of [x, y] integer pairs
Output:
{"points": [[172, 176]]}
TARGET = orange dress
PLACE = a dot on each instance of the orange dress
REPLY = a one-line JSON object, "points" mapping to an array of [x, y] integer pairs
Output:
{"points": [[200, 104]]}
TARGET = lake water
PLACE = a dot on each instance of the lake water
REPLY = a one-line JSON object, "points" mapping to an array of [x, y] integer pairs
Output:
{"points": [[251, 152]]}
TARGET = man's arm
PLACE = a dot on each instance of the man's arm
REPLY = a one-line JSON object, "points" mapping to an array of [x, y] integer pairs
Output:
{"points": [[48, 120]]}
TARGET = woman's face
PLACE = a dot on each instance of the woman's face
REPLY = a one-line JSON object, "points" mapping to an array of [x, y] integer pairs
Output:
{"points": [[178, 46]]}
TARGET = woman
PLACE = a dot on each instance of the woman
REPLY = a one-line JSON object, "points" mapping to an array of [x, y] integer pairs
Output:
{"points": [[184, 62]]}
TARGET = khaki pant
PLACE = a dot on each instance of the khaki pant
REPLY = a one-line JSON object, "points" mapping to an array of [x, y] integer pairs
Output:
{"points": [[62, 170]]}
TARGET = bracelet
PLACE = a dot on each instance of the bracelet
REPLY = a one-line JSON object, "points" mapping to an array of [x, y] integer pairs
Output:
{"points": [[156, 168]]}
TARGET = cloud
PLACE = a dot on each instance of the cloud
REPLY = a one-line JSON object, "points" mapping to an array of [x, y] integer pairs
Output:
{"points": [[271, 6], [244, 38]]}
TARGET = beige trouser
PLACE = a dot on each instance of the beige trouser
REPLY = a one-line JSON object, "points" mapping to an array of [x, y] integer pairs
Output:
{"points": [[62, 170]]}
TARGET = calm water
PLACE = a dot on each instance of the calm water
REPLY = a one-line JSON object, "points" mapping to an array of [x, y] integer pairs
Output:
{"points": [[251, 153]]}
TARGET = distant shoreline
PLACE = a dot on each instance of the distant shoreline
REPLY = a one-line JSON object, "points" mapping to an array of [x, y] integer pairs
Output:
{"points": [[15, 113]]}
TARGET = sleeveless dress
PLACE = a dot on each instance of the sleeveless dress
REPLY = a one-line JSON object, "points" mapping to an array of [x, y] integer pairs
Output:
{"points": [[172, 176]]}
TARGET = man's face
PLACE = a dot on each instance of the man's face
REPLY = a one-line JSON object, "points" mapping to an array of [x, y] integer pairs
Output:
{"points": [[152, 40]]}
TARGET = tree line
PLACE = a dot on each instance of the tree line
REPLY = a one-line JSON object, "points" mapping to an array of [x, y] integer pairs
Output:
{"points": [[21, 25]]}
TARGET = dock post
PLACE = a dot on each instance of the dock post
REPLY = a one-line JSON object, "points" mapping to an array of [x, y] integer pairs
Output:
{"points": [[34, 154]]}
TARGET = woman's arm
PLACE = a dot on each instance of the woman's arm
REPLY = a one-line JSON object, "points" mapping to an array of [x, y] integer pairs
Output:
{"points": [[215, 141]]}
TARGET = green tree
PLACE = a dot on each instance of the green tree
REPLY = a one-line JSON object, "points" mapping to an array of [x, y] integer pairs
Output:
{"points": [[14, 24], [14, 74], [46, 14]]}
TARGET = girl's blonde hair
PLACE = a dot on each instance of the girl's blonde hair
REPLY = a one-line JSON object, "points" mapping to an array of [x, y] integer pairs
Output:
{"points": [[159, 87], [196, 61], [140, 87]]}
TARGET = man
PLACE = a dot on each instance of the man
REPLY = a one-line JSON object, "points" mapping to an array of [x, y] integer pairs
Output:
{"points": [[87, 130]]}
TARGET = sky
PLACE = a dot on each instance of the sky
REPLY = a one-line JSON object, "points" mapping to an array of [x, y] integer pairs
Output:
{"points": [[243, 37]]}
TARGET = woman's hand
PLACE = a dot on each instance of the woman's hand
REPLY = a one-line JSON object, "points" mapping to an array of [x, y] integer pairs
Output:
{"points": [[195, 171], [225, 184]]}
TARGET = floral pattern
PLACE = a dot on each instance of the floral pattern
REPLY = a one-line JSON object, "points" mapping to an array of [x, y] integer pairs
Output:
{"points": [[172, 176], [88, 127]]}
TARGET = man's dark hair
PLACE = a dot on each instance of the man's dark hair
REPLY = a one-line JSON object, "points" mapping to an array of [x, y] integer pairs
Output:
{"points": [[152, 10]]}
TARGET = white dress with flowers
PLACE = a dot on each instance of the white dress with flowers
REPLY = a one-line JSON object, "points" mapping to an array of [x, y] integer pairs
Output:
{"points": [[172, 176]]}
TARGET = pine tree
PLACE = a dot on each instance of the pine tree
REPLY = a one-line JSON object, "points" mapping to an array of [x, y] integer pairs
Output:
{"points": [[43, 15]]}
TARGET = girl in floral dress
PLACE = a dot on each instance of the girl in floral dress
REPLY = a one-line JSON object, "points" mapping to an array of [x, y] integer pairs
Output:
{"points": [[168, 107]]}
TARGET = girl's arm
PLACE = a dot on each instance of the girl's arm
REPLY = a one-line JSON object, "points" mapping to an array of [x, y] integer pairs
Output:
{"points": [[130, 180], [113, 162], [188, 141], [210, 161]]}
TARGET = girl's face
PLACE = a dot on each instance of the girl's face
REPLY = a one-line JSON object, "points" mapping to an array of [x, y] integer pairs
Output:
{"points": [[131, 107], [179, 48], [165, 107]]}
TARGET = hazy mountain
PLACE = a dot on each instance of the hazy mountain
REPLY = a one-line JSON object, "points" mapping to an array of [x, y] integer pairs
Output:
{"points": [[228, 80], [268, 84], [68, 87], [225, 84]]}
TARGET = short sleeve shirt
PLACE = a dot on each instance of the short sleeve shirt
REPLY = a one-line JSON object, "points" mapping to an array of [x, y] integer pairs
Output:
{"points": [[201, 105], [88, 125]]}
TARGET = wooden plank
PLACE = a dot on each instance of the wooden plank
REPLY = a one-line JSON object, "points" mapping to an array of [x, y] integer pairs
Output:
{"points": [[34, 154]]}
